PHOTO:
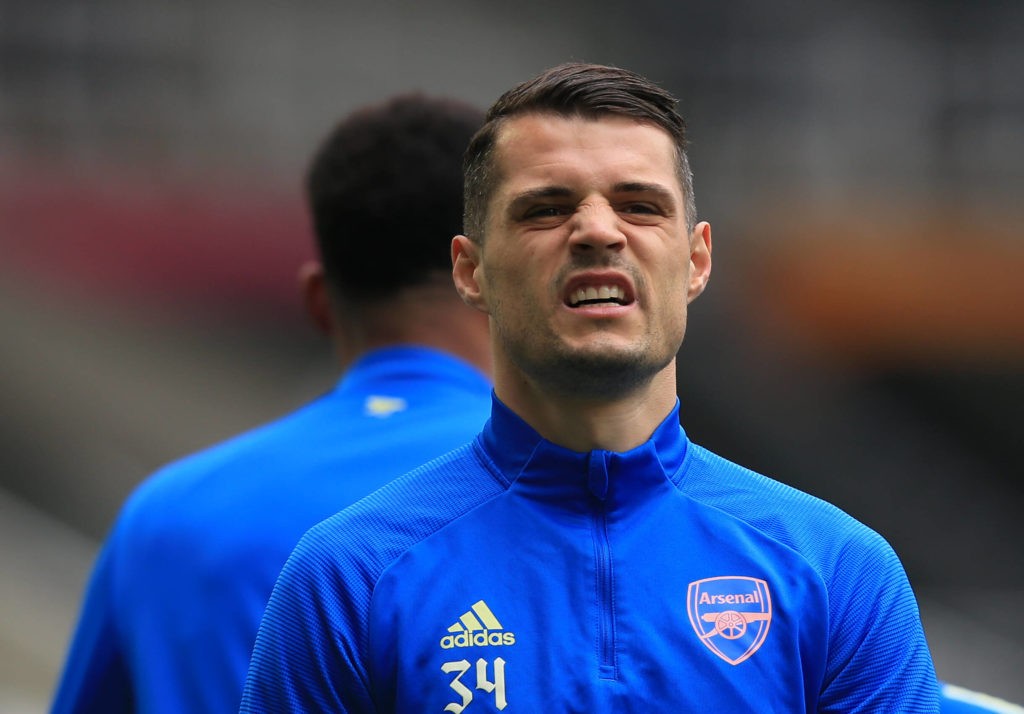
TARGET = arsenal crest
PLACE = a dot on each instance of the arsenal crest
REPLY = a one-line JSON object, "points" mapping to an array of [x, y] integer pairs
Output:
{"points": [[731, 615]]}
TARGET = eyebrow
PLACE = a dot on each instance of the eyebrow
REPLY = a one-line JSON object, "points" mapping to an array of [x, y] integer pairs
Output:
{"points": [[555, 191], [531, 195], [640, 187]]}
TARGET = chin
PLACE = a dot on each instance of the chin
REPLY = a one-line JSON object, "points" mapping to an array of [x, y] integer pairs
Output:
{"points": [[601, 373]]}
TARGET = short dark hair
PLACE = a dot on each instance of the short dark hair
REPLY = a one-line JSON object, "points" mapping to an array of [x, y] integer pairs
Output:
{"points": [[385, 193], [572, 89]]}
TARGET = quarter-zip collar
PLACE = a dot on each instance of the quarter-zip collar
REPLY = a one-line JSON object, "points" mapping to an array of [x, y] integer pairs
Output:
{"points": [[548, 471]]}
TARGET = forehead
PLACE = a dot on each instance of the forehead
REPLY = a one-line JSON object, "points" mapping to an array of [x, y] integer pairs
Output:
{"points": [[545, 149]]}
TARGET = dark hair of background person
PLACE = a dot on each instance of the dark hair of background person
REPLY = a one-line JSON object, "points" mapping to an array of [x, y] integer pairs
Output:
{"points": [[573, 90], [382, 189]]}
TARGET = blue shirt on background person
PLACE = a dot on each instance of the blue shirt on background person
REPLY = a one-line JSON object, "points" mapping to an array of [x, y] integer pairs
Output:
{"points": [[174, 602]]}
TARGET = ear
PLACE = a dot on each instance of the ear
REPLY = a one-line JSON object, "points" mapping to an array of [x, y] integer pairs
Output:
{"points": [[467, 272], [700, 260], [316, 296]]}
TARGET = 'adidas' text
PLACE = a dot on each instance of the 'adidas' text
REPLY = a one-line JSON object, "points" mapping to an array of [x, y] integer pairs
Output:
{"points": [[477, 639], [477, 627]]}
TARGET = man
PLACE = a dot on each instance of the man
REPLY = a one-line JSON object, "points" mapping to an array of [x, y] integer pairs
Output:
{"points": [[582, 555], [174, 603]]}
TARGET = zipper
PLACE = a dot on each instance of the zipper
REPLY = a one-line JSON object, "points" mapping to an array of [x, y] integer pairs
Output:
{"points": [[597, 482]]}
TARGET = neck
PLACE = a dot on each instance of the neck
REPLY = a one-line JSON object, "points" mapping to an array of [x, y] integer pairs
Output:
{"points": [[428, 315], [584, 424]]}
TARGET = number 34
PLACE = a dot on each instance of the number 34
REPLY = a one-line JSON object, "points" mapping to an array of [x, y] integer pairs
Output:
{"points": [[482, 682]]}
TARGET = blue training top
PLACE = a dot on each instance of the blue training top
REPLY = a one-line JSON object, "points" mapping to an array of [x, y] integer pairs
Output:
{"points": [[176, 596], [515, 575]]}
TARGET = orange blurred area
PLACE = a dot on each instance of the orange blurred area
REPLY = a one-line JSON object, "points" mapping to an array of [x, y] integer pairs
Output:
{"points": [[885, 288]]}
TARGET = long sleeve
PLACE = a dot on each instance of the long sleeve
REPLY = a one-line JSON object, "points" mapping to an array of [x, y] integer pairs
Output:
{"points": [[307, 656], [95, 676], [878, 657]]}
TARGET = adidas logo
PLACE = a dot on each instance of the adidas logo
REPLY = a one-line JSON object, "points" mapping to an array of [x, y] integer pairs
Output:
{"points": [[380, 407], [477, 627]]}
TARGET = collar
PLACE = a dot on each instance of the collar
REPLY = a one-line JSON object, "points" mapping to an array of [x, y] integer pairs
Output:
{"points": [[411, 363], [546, 470]]}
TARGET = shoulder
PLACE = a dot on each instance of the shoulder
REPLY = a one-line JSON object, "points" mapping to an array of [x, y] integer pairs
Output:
{"points": [[824, 535], [213, 478], [876, 646], [284, 432], [327, 586], [376, 530]]}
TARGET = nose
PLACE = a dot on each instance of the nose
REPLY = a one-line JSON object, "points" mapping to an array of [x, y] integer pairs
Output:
{"points": [[596, 227]]}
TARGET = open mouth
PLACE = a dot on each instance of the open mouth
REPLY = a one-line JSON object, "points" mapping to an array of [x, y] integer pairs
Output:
{"points": [[607, 289], [597, 295]]}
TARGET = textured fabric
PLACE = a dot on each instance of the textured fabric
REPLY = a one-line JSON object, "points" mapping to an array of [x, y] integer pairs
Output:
{"points": [[515, 575], [176, 596]]}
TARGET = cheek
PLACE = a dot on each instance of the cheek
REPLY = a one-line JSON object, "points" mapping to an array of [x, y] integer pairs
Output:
{"points": [[674, 278], [676, 299], [496, 280], [517, 270]]}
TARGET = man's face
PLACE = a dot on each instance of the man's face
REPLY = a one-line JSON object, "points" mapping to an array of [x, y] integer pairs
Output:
{"points": [[586, 267]]}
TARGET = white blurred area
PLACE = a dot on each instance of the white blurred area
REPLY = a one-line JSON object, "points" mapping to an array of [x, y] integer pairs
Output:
{"points": [[43, 576], [862, 338]]}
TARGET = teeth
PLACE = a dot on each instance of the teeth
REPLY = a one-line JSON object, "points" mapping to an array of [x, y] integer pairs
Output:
{"points": [[590, 293]]}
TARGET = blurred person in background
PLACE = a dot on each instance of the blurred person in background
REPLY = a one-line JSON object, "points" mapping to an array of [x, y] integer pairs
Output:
{"points": [[582, 554], [173, 605]]}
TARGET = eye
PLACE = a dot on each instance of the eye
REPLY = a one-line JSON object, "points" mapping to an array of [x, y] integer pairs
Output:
{"points": [[641, 213], [640, 208], [545, 212]]}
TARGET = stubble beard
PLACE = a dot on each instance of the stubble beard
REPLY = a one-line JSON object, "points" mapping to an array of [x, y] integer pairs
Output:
{"points": [[589, 374]]}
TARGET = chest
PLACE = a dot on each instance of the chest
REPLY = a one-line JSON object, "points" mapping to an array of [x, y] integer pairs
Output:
{"points": [[590, 612]]}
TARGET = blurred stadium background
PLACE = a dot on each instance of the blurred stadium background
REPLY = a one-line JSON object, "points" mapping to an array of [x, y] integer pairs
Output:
{"points": [[862, 164]]}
